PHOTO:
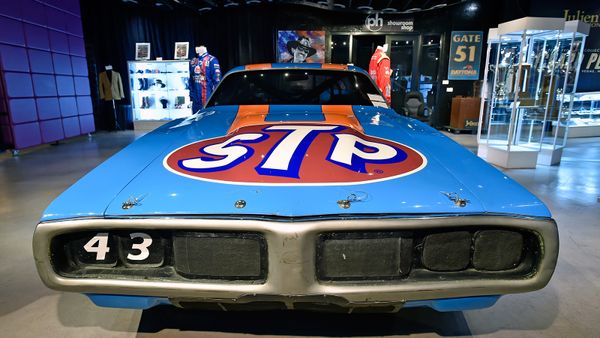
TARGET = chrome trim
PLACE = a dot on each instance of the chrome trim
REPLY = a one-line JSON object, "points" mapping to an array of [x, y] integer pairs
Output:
{"points": [[291, 260]]}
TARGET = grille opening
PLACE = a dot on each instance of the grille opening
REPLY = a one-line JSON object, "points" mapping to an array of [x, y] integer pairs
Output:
{"points": [[461, 253], [497, 250], [447, 251], [221, 256], [364, 256], [231, 256]]}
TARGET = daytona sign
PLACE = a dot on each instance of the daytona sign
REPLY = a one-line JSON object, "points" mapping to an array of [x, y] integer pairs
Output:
{"points": [[295, 155]]}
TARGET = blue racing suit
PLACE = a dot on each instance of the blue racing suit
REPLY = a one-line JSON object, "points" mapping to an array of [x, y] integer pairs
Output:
{"points": [[205, 74]]}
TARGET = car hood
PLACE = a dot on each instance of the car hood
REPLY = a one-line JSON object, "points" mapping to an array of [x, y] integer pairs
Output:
{"points": [[449, 173]]}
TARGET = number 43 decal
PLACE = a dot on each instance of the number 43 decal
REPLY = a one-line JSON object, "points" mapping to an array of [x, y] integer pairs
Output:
{"points": [[99, 245]]}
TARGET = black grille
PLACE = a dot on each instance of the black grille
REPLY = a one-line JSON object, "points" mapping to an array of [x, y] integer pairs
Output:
{"points": [[366, 256], [173, 255], [220, 255], [460, 253]]}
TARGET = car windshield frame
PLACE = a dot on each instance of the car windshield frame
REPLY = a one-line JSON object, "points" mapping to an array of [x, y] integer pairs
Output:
{"points": [[296, 86]]}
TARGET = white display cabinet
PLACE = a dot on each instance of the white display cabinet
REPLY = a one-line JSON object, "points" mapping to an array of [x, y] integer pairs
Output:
{"points": [[159, 92], [532, 64], [585, 114]]}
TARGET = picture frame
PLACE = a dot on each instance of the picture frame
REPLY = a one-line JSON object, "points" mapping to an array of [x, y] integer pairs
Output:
{"points": [[300, 46], [181, 50], [142, 51]]}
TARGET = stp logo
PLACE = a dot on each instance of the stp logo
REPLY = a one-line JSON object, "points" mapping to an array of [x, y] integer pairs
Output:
{"points": [[295, 155]]}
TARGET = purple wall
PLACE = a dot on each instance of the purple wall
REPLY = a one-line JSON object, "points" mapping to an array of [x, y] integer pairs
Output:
{"points": [[44, 87]]}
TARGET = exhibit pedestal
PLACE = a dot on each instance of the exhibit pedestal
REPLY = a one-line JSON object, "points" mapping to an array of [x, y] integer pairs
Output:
{"points": [[516, 158], [581, 131], [549, 156], [148, 125]]}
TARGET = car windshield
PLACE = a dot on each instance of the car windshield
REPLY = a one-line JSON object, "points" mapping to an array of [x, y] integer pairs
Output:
{"points": [[298, 86]]}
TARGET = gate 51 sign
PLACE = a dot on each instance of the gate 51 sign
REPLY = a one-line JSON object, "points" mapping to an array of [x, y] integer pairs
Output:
{"points": [[465, 55]]}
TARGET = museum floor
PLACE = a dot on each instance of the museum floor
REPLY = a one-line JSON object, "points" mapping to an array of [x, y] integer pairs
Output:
{"points": [[568, 307]]}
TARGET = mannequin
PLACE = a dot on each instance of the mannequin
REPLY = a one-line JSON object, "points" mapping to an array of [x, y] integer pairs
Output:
{"points": [[111, 88], [205, 74], [379, 70]]}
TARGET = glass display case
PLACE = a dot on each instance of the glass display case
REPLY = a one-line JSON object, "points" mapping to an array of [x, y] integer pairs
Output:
{"points": [[159, 92], [585, 114], [532, 64]]}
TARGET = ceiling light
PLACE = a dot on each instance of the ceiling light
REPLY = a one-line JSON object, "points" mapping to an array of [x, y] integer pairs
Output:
{"points": [[472, 7], [389, 9], [230, 4], [364, 8], [203, 9]]}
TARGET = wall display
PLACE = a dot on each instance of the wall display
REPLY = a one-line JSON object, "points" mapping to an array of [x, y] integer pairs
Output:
{"points": [[181, 50], [465, 55], [301, 46], [159, 91], [142, 51], [585, 114]]}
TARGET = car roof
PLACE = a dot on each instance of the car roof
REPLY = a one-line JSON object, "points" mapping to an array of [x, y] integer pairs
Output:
{"points": [[326, 66]]}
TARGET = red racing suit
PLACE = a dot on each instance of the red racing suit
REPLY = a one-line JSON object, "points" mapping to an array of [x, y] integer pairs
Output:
{"points": [[380, 72]]}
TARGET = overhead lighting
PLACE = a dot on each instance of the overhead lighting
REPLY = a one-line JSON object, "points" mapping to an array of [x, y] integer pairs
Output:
{"points": [[364, 8], [131, 1], [438, 6], [253, 2], [472, 7], [416, 9], [339, 5], [204, 9], [389, 10], [230, 4]]}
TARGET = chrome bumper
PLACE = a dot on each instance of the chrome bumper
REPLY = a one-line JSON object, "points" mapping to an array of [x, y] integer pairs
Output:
{"points": [[291, 262]]}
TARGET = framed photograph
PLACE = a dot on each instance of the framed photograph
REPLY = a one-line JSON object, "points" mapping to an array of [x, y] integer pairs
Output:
{"points": [[181, 50], [301, 46], [142, 51]]}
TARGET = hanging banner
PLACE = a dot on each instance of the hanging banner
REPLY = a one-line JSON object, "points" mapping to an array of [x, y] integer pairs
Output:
{"points": [[465, 55]]}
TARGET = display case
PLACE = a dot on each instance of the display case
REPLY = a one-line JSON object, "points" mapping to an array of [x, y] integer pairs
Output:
{"points": [[585, 114], [159, 92], [533, 63]]}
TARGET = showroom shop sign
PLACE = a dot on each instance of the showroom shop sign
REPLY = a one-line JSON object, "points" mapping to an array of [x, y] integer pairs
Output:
{"points": [[378, 23], [465, 55]]}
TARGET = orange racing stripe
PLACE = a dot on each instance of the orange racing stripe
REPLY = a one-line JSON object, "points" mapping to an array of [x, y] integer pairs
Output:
{"points": [[249, 115], [334, 66], [341, 115], [258, 66], [252, 115]]}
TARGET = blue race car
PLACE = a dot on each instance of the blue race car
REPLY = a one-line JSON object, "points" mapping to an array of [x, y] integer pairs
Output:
{"points": [[296, 187]]}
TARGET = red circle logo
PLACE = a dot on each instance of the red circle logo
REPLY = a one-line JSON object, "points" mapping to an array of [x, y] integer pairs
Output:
{"points": [[295, 154]]}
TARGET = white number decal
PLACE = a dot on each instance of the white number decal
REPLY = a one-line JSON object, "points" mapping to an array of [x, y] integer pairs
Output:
{"points": [[101, 249], [142, 247]]}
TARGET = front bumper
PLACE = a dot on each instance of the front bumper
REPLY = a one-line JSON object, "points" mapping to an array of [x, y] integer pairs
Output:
{"points": [[291, 263]]}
